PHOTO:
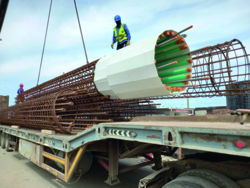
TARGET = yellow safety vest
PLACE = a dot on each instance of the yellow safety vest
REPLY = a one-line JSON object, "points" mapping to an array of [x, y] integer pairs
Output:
{"points": [[122, 34]]}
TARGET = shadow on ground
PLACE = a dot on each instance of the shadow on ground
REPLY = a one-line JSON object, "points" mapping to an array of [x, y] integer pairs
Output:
{"points": [[96, 176]]}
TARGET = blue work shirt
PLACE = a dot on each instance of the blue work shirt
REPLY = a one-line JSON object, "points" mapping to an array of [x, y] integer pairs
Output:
{"points": [[20, 91], [126, 30]]}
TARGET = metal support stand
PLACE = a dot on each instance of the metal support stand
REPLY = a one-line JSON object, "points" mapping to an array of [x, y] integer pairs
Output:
{"points": [[13, 143], [113, 153], [3, 140], [243, 118], [179, 153], [1, 134], [157, 161], [243, 113], [7, 138]]}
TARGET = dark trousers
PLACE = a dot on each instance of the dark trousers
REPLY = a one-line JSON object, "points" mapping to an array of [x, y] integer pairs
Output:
{"points": [[121, 45]]}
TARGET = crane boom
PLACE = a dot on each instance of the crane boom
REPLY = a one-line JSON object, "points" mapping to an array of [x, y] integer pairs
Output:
{"points": [[3, 9]]}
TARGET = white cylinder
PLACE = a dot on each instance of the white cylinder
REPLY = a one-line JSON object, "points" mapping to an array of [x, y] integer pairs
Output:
{"points": [[130, 72]]}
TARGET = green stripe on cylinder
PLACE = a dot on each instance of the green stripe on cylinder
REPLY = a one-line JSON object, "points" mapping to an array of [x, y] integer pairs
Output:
{"points": [[170, 43], [176, 49], [175, 84], [162, 39], [173, 72], [174, 78], [180, 63], [173, 61], [173, 55], [168, 48], [180, 58]]}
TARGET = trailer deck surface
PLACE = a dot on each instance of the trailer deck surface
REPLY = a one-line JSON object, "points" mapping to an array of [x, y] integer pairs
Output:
{"points": [[190, 124], [220, 137]]}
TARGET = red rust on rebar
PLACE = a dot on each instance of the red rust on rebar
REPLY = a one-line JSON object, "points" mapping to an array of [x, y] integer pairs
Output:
{"points": [[227, 66], [71, 103]]}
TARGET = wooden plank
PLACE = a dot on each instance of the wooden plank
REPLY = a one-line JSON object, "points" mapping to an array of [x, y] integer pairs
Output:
{"points": [[15, 126], [46, 131], [243, 111]]}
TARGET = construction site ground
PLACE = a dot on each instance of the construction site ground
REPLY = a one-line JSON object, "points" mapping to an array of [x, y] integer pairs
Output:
{"points": [[17, 171]]}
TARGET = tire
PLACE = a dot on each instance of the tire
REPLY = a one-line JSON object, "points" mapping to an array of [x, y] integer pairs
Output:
{"points": [[217, 178], [85, 163], [190, 182]]}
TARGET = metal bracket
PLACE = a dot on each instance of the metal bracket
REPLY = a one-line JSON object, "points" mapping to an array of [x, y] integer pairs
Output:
{"points": [[113, 152]]}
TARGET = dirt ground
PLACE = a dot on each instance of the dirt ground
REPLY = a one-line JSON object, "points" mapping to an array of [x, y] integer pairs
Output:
{"points": [[18, 172]]}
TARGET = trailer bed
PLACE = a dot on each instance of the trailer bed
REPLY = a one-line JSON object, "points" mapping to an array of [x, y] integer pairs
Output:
{"points": [[221, 137], [144, 136], [190, 124]]}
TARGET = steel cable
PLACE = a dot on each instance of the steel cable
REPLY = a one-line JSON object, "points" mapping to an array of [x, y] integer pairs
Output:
{"points": [[44, 43]]}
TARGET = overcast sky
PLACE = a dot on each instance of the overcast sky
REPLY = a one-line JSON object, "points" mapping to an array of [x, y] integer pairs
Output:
{"points": [[24, 28]]}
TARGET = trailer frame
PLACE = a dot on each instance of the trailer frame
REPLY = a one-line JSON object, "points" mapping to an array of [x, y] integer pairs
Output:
{"points": [[219, 137]]}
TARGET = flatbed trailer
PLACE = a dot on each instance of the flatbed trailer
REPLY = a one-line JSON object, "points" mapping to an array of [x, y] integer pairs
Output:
{"points": [[63, 155]]}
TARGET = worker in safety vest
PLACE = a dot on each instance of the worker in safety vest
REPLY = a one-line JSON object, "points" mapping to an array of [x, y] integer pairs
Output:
{"points": [[20, 94], [121, 34]]}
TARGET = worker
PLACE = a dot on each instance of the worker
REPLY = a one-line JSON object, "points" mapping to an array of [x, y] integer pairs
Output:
{"points": [[20, 94], [121, 34]]}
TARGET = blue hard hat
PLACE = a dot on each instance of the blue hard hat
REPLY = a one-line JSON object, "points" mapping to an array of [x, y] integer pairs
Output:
{"points": [[117, 18]]}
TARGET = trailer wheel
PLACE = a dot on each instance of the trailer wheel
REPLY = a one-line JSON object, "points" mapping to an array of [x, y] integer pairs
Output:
{"points": [[190, 182], [82, 168], [217, 178], [85, 163]]}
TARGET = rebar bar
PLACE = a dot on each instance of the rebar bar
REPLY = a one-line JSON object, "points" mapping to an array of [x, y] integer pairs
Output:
{"points": [[71, 102], [225, 65]]}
